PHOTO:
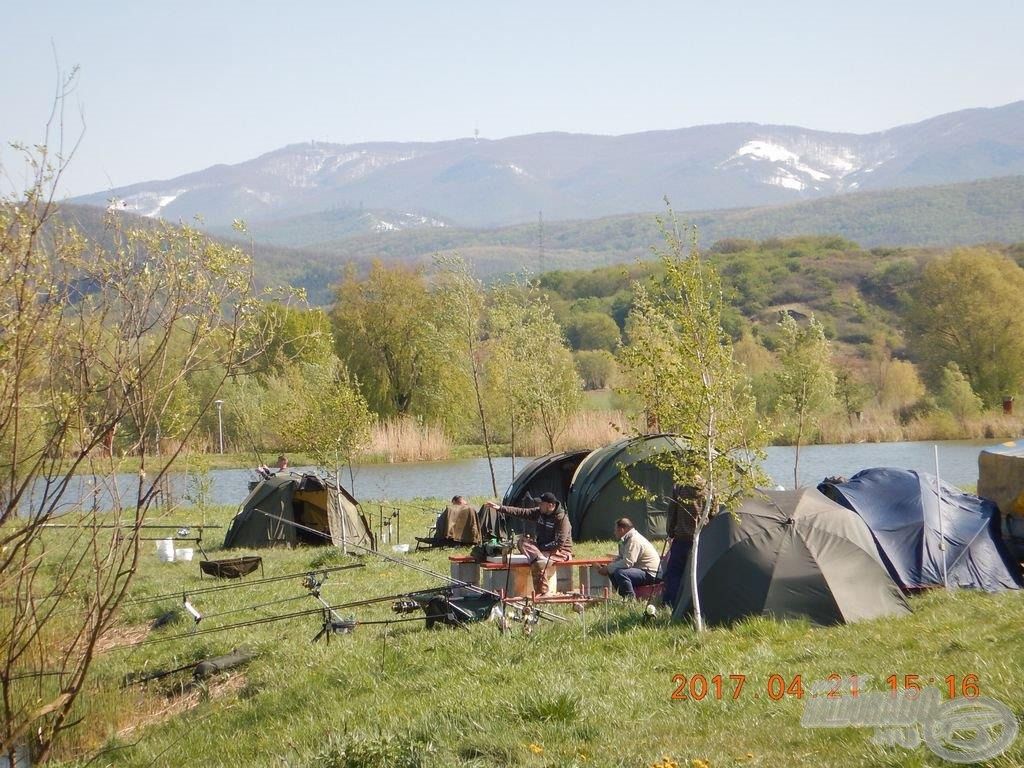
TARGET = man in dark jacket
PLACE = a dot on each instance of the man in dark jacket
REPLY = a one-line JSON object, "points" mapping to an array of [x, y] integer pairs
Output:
{"points": [[554, 536], [687, 502]]}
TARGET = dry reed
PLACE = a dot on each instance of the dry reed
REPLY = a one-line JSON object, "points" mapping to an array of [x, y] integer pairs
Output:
{"points": [[403, 439]]}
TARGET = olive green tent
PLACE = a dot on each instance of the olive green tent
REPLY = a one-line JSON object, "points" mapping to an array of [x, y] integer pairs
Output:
{"points": [[599, 494], [289, 509], [790, 554]]}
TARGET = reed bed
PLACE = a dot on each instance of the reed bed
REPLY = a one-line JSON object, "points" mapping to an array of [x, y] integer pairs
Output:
{"points": [[405, 439]]}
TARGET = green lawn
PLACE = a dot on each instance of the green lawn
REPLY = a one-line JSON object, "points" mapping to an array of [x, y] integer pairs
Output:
{"points": [[594, 690]]}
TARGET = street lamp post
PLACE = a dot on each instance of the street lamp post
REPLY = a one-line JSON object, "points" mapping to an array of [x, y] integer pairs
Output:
{"points": [[220, 424]]}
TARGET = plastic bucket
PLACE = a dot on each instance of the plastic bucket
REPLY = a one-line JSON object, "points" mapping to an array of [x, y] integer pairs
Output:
{"points": [[165, 550], [185, 555], [400, 548]]}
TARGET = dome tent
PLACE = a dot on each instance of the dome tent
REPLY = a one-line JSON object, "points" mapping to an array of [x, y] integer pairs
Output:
{"points": [[902, 509], [288, 509], [599, 494], [553, 472], [790, 554]]}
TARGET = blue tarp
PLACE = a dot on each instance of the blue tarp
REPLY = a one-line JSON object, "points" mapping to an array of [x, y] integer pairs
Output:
{"points": [[902, 510]]}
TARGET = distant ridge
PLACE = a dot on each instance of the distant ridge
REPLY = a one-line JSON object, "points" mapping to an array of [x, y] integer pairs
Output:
{"points": [[485, 183]]}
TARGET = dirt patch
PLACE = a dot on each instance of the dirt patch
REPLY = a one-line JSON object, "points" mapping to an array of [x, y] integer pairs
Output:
{"points": [[157, 710], [121, 635]]}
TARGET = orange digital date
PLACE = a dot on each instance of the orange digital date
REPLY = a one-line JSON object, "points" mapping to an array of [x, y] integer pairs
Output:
{"points": [[699, 687]]}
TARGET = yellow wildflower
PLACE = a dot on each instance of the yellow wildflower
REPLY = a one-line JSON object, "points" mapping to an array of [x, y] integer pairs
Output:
{"points": [[537, 749]]}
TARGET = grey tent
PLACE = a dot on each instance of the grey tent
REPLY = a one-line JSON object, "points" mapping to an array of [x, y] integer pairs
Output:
{"points": [[599, 495], [289, 509], [791, 554], [553, 473]]}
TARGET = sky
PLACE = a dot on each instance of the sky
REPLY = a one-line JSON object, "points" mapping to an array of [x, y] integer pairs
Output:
{"points": [[170, 88]]}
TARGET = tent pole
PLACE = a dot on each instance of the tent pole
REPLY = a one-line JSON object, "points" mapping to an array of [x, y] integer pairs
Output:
{"points": [[942, 532], [337, 500]]}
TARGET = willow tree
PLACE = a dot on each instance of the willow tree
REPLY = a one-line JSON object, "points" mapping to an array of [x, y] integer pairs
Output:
{"points": [[806, 378], [97, 349], [389, 331], [680, 364]]}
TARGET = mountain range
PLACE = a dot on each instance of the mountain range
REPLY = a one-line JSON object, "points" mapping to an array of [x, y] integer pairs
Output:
{"points": [[305, 194]]}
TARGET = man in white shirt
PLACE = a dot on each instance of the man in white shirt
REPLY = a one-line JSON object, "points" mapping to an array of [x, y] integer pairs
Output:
{"points": [[638, 561]]}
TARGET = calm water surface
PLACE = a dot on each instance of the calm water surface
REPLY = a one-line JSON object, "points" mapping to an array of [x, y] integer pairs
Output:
{"points": [[958, 464]]}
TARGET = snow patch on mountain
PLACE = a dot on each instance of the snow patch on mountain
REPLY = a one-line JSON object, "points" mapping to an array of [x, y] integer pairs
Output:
{"points": [[312, 166], [148, 204], [799, 164], [404, 221]]}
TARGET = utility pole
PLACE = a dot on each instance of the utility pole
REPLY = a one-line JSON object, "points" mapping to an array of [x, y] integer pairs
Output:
{"points": [[220, 424]]}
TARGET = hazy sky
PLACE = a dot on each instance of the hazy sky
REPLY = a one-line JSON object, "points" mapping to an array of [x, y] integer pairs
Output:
{"points": [[176, 87]]}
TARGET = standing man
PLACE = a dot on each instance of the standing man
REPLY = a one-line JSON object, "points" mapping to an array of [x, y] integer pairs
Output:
{"points": [[554, 536], [638, 561], [686, 506]]}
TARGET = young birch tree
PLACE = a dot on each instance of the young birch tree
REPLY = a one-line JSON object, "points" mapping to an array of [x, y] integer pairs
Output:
{"points": [[681, 365], [532, 363], [806, 378], [97, 347]]}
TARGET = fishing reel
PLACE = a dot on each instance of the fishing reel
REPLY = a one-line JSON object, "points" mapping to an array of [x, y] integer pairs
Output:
{"points": [[405, 606], [313, 582]]}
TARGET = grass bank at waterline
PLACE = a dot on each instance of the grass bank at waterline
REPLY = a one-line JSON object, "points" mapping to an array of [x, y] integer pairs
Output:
{"points": [[595, 690]]}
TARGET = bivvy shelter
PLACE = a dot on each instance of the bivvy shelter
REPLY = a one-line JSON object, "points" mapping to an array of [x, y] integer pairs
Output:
{"points": [[457, 526], [790, 554], [599, 494], [909, 517], [551, 473], [1001, 479], [288, 509]]}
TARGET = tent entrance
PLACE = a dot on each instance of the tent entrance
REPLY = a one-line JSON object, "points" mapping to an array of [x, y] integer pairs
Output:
{"points": [[310, 510]]}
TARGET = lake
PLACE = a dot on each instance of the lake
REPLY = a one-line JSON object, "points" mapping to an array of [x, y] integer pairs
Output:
{"points": [[958, 464]]}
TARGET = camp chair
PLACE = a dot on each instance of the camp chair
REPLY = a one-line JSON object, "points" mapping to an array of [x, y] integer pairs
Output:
{"points": [[457, 526]]}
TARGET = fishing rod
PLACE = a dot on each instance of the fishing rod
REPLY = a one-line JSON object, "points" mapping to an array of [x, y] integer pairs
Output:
{"points": [[221, 587], [449, 579], [257, 622], [180, 527]]}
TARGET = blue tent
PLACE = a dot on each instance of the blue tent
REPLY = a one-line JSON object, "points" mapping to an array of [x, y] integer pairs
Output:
{"points": [[902, 510]]}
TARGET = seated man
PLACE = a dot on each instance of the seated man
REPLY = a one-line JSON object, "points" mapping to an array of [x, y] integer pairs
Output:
{"points": [[456, 526], [554, 536], [281, 466], [638, 561]]}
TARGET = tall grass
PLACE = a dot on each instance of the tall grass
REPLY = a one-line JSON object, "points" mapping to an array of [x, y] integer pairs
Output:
{"points": [[884, 427], [404, 439], [586, 429]]}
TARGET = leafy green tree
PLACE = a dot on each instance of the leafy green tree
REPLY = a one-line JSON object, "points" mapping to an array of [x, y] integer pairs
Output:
{"points": [[596, 366], [806, 378], [956, 396], [966, 310], [461, 297], [386, 328], [531, 361], [681, 365], [592, 330]]}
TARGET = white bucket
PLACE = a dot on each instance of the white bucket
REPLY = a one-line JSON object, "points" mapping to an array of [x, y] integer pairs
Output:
{"points": [[184, 555], [165, 550], [400, 548]]}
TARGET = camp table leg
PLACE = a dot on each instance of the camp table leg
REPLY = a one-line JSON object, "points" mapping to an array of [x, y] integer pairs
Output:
{"points": [[585, 580]]}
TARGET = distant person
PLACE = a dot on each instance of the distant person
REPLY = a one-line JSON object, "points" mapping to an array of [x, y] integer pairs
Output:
{"points": [[637, 564], [554, 536], [281, 465]]}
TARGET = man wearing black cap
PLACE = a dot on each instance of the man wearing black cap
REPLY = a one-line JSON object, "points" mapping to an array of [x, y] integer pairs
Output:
{"points": [[554, 536]]}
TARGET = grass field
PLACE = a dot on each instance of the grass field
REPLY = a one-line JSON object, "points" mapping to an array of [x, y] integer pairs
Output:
{"points": [[594, 690]]}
